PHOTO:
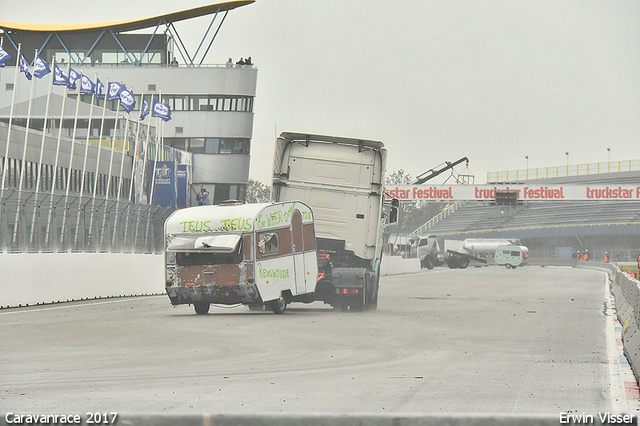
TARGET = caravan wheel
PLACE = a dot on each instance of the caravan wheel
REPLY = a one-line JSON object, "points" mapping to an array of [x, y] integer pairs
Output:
{"points": [[201, 308], [279, 305]]}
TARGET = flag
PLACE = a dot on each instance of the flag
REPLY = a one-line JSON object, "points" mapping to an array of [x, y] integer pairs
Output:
{"points": [[99, 89], [144, 111], [162, 111], [127, 101], [3, 57], [87, 87], [73, 76], [42, 68], [59, 79], [114, 91], [24, 68]]}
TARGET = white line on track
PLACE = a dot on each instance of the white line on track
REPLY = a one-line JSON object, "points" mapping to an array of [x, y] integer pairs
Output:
{"points": [[67, 305]]}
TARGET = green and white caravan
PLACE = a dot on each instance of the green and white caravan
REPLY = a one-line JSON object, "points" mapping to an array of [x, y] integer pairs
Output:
{"points": [[252, 254]]}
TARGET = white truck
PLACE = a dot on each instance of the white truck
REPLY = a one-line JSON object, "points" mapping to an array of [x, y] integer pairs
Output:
{"points": [[342, 180], [431, 255]]}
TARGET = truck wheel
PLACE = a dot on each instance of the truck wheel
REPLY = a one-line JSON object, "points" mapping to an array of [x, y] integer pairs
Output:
{"points": [[373, 304], [202, 308], [428, 263], [463, 263], [279, 305]]}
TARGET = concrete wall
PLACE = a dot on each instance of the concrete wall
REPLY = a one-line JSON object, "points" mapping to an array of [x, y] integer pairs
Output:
{"points": [[626, 291], [31, 279]]}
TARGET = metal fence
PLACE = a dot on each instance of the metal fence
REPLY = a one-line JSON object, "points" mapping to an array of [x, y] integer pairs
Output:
{"points": [[33, 222]]}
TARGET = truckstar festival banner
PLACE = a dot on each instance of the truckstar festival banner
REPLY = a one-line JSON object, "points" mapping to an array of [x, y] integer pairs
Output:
{"points": [[523, 192]]}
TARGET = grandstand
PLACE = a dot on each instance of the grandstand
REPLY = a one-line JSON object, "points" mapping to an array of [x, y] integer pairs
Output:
{"points": [[598, 226]]}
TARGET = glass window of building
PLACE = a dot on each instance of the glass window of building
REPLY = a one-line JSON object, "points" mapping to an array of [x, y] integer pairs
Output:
{"points": [[211, 146], [196, 145]]}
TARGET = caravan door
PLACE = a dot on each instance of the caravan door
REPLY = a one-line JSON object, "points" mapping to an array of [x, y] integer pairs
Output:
{"points": [[298, 253]]}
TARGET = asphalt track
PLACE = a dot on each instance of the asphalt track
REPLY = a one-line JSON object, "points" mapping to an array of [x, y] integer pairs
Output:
{"points": [[479, 340]]}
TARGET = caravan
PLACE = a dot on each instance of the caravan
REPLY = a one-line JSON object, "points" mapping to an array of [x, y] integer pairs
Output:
{"points": [[251, 254], [511, 256]]}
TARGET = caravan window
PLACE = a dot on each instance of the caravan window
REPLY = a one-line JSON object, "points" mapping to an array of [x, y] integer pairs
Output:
{"points": [[268, 243], [515, 253], [207, 250]]}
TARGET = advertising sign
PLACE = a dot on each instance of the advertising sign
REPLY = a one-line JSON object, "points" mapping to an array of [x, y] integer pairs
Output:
{"points": [[526, 192], [164, 193]]}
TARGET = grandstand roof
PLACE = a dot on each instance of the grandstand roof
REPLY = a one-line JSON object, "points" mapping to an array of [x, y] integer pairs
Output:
{"points": [[127, 25]]}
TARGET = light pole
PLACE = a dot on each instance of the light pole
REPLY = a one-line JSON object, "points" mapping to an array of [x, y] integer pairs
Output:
{"points": [[567, 154], [527, 172]]}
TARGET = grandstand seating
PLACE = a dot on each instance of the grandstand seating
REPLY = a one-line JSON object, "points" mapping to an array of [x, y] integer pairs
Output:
{"points": [[480, 217]]}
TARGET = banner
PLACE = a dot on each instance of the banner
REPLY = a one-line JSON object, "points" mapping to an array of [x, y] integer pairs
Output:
{"points": [[182, 181], [523, 192], [164, 193]]}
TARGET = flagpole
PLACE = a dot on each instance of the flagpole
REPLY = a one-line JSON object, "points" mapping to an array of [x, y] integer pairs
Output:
{"points": [[44, 132], [84, 164], [13, 101], [6, 153], [155, 165], [24, 154], [73, 146], [104, 219], [144, 169], [134, 163], [124, 141], [55, 166], [97, 176]]}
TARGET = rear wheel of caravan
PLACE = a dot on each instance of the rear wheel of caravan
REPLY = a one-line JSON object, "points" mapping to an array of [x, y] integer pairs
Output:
{"points": [[256, 307], [279, 305], [202, 308], [508, 266]]}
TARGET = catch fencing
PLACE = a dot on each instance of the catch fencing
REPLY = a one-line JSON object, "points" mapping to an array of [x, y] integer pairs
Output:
{"points": [[36, 222]]}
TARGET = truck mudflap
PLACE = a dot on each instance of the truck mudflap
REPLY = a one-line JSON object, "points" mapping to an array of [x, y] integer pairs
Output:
{"points": [[349, 288], [217, 294]]}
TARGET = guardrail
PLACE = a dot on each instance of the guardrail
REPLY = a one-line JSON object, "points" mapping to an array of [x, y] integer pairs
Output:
{"points": [[564, 171]]}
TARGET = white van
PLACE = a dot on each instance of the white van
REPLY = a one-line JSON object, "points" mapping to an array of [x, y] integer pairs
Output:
{"points": [[511, 256], [253, 254]]}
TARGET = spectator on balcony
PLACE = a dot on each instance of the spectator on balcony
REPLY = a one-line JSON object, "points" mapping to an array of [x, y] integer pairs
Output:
{"points": [[229, 63]]}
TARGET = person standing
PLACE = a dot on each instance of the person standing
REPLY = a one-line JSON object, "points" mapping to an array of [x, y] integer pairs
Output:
{"points": [[203, 197], [606, 257], [586, 255]]}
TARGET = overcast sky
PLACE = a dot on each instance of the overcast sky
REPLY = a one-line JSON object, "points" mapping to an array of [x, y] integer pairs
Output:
{"points": [[435, 81]]}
